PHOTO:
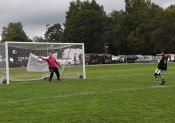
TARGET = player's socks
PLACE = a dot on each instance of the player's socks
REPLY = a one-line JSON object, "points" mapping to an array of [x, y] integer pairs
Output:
{"points": [[156, 83], [156, 79]]}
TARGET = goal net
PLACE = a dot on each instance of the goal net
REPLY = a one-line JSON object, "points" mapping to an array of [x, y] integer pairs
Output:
{"points": [[24, 63]]}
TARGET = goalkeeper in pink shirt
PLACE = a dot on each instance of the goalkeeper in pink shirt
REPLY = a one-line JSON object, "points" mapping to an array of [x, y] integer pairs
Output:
{"points": [[52, 63]]}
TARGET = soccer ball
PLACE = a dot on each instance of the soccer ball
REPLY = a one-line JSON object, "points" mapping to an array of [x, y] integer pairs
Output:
{"points": [[81, 76], [14, 52], [4, 81]]}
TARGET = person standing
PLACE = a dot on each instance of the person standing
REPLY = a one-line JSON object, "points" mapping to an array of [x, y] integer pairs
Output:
{"points": [[52, 64], [161, 67], [75, 59]]}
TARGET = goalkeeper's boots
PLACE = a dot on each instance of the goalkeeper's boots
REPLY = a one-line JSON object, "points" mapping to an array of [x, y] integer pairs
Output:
{"points": [[156, 84], [48, 81], [163, 81], [59, 79]]}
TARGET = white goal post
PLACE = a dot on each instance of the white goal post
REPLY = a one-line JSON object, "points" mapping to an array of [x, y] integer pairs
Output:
{"points": [[23, 64]]}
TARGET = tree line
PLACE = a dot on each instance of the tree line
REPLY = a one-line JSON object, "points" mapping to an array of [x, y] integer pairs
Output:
{"points": [[142, 28]]}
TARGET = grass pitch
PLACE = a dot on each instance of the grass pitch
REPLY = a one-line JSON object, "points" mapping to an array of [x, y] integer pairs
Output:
{"points": [[110, 94]]}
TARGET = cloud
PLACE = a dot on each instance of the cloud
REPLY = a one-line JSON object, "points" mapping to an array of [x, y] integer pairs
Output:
{"points": [[164, 3]]}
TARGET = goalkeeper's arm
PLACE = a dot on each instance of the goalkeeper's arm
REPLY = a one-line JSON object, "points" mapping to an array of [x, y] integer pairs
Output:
{"points": [[58, 64]]}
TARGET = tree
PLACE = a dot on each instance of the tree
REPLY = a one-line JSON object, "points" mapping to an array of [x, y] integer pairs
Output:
{"points": [[86, 23], [14, 32], [87, 27], [53, 33], [140, 15], [38, 39], [163, 35], [119, 33]]}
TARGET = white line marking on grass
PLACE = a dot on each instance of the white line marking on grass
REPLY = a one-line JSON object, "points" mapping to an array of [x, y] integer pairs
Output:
{"points": [[60, 96], [161, 86], [86, 93]]}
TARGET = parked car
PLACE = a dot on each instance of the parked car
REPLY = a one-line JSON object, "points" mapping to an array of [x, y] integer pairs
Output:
{"points": [[105, 58], [68, 61], [116, 59], [91, 58], [131, 58], [159, 56], [149, 56], [147, 59], [122, 57], [139, 56]]}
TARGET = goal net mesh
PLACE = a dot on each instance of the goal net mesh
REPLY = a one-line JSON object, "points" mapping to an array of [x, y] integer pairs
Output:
{"points": [[25, 64], [2, 62]]}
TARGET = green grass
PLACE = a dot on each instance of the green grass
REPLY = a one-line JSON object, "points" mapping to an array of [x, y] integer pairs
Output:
{"points": [[110, 94]]}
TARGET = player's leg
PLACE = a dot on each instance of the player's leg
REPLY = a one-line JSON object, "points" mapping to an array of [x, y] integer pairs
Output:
{"points": [[57, 73], [75, 62], [156, 76], [163, 80], [51, 73]]}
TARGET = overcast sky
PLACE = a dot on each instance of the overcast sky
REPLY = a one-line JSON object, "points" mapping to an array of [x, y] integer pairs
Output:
{"points": [[35, 14]]}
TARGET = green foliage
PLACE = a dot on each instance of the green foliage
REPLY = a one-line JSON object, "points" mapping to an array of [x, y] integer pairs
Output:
{"points": [[144, 28], [118, 32], [138, 15], [14, 32], [164, 30], [86, 23], [87, 27], [53, 33]]}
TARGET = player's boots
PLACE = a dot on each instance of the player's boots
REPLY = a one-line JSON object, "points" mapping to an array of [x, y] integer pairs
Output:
{"points": [[163, 81], [156, 84]]}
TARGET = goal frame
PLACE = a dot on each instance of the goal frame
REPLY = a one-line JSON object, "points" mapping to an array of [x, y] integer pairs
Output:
{"points": [[46, 43]]}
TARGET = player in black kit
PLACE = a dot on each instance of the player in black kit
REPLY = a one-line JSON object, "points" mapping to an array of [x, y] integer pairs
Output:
{"points": [[161, 67]]}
